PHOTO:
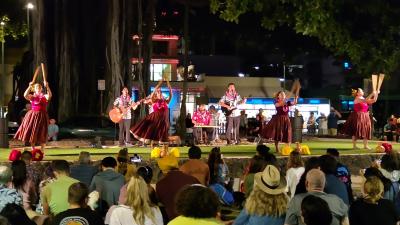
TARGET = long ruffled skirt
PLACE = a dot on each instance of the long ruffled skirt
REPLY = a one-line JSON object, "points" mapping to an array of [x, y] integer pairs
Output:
{"points": [[33, 128], [359, 125], [278, 128], [154, 127]]}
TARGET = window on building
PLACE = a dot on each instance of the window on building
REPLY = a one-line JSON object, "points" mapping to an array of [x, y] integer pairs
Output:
{"points": [[158, 71]]}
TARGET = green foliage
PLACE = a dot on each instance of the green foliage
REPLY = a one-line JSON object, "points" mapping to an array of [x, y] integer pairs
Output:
{"points": [[12, 29], [367, 33]]}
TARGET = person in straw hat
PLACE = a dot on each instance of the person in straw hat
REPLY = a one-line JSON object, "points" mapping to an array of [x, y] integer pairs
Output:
{"points": [[268, 201]]}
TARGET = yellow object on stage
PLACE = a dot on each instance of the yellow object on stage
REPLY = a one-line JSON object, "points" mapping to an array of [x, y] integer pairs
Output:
{"points": [[155, 153], [305, 150], [175, 152], [286, 150]]}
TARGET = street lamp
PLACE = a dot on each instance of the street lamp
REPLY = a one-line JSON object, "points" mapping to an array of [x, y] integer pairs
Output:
{"points": [[2, 78], [29, 7]]}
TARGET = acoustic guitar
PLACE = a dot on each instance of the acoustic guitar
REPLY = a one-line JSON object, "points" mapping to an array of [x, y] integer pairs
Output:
{"points": [[117, 113]]}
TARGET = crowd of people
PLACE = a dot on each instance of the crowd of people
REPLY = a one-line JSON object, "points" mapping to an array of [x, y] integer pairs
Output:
{"points": [[118, 192]]}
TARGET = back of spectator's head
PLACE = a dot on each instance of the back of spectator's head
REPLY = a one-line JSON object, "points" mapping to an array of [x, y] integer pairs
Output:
{"points": [[270, 159], [60, 166], [257, 164], [26, 156], [84, 157], [315, 180], [123, 155], [19, 173], [138, 199], [311, 163], [15, 214], [146, 172], [262, 150], [4, 221], [197, 201], [194, 152], [5, 174], [332, 151], [328, 164], [390, 161], [109, 162], [373, 189], [295, 160], [315, 211], [78, 194]]}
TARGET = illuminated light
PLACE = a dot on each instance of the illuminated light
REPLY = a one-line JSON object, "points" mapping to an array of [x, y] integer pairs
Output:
{"points": [[351, 103], [256, 67], [241, 74], [176, 13], [157, 61], [135, 37], [157, 37], [30, 5], [314, 101], [2, 23], [281, 79], [163, 13]]}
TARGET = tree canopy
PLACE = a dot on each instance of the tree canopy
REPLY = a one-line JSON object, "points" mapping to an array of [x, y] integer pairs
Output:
{"points": [[366, 32]]}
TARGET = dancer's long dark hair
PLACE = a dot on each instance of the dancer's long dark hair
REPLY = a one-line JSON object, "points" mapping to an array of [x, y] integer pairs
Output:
{"points": [[214, 158]]}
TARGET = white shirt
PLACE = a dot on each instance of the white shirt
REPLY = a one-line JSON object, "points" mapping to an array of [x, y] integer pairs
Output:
{"points": [[123, 215], [233, 102], [293, 176], [119, 102]]}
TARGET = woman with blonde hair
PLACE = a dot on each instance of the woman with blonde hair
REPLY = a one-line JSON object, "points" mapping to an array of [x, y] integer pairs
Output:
{"points": [[372, 208], [138, 209], [267, 202], [358, 125], [295, 168]]}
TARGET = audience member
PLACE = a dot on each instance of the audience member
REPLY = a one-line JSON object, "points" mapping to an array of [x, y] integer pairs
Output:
{"points": [[168, 186], [146, 172], [108, 183], [35, 170], [315, 184], [218, 169], [123, 163], [16, 215], [78, 212], [333, 185], [333, 118], [4, 221], [371, 209], [195, 166], [295, 168], [342, 172], [7, 195], [52, 130], [257, 164], [54, 196], [311, 163], [390, 130], [267, 202], [263, 151], [138, 210], [196, 204], [315, 211], [311, 124], [25, 187], [83, 170]]}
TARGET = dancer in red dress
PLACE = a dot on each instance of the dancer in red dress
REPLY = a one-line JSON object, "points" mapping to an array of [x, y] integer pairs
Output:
{"points": [[358, 125], [279, 128], [34, 126], [155, 126]]}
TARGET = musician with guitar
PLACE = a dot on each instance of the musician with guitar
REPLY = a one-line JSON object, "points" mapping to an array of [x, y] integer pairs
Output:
{"points": [[123, 105], [229, 103]]}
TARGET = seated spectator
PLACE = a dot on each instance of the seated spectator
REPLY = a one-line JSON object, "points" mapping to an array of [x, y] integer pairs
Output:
{"points": [[311, 163], [295, 168], [315, 184], [25, 187], [257, 164], [315, 211], [54, 196], [333, 185], [196, 204], [83, 170], [390, 130], [195, 166], [218, 169], [123, 163], [108, 183], [262, 150], [35, 170], [137, 209], [267, 202], [7, 195], [16, 215], [3, 221], [342, 172], [389, 166], [52, 130], [78, 194], [168, 186], [371, 209]]}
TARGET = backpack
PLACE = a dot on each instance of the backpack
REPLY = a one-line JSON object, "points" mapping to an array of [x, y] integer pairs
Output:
{"points": [[225, 197]]}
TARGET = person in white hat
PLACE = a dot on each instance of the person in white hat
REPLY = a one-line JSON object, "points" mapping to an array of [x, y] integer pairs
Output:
{"points": [[267, 202]]}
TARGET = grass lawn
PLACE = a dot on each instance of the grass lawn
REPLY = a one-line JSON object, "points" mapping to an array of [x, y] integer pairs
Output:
{"points": [[317, 147]]}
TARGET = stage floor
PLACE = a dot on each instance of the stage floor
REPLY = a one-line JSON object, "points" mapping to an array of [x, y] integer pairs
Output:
{"points": [[317, 146]]}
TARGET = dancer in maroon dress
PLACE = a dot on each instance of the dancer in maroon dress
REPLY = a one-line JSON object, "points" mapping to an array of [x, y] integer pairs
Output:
{"points": [[358, 124], [34, 126], [155, 126], [279, 128]]}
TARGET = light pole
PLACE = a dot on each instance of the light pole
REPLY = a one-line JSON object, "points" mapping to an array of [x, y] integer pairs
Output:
{"points": [[3, 75], [29, 7]]}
